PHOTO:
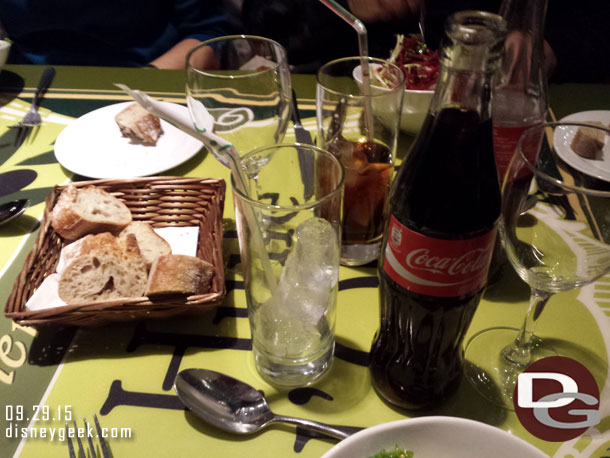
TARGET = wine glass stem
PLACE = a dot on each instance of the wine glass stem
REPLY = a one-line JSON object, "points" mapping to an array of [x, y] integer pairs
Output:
{"points": [[519, 352]]}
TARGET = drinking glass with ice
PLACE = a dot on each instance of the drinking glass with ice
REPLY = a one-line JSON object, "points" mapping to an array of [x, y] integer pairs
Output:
{"points": [[291, 293]]}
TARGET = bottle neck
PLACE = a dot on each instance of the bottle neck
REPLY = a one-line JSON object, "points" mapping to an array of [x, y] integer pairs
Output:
{"points": [[470, 57], [523, 66], [467, 90]]}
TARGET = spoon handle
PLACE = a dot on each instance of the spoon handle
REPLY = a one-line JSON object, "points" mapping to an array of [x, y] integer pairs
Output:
{"points": [[338, 432]]}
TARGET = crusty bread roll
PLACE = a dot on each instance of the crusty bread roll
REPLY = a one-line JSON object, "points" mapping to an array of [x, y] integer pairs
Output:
{"points": [[105, 268], [179, 274], [150, 243], [587, 141], [88, 210], [104, 241], [135, 122]]}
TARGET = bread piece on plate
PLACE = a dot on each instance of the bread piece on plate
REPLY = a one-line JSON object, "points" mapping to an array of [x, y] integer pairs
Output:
{"points": [[150, 243], [105, 268], [179, 274], [588, 142], [135, 122], [88, 210]]}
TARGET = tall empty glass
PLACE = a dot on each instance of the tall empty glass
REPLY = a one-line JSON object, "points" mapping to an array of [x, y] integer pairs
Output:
{"points": [[289, 241], [248, 93], [554, 227], [363, 135]]}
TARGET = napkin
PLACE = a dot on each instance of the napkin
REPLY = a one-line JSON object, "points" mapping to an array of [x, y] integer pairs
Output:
{"points": [[218, 146], [182, 240]]}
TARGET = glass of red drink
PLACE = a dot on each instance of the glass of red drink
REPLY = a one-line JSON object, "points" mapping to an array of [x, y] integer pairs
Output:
{"points": [[359, 124]]}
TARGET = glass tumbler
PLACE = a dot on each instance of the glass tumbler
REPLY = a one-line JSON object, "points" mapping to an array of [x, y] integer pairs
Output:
{"points": [[248, 93], [362, 131], [289, 242]]}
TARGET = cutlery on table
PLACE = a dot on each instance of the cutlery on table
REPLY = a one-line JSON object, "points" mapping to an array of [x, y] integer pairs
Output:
{"points": [[32, 117], [81, 450], [302, 135], [11, 210], [236, 407]]}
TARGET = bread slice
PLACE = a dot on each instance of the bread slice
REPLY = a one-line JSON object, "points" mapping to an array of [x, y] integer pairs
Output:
{"points": [[179, 274], [588, 142], [132, 281], [105, 268], [135, 122], [150, 243], [89, 210], [100, 242]]}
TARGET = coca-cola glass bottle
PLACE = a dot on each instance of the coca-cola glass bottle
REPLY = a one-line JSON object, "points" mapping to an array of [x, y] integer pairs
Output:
{"points": [[444, 207], [520, 99]]}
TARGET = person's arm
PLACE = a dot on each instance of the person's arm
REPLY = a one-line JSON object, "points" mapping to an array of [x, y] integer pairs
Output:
{"points": [[195, 21], [175, 58], [384, 10]]}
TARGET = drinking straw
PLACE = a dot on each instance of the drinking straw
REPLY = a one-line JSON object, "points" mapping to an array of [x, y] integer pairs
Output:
{"points": [[221, 150], [363, 47]]}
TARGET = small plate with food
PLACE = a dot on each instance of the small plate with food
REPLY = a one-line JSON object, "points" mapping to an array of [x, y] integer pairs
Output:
{"points": [[123, 141], [585, 149]]}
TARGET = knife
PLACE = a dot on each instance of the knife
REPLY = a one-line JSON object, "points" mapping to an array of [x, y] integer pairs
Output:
{"points": [[302, 135]]}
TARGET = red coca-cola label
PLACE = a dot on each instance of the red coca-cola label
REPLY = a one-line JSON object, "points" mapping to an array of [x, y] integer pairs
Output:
{"points": [[506, 140], [437, 267], [505, 145]]}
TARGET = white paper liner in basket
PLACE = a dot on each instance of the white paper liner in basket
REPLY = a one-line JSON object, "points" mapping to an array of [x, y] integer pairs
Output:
{"points": [[182, 240]]}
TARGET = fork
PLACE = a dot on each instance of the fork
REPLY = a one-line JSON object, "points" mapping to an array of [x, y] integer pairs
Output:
{"points": [[32, 117], [81, 450]]}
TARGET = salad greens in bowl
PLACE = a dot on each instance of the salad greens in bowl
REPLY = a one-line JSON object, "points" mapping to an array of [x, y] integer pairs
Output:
{"points": [[434, 437], [420, 66]]}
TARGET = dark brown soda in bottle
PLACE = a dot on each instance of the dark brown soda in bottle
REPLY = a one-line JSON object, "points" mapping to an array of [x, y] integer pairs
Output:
{"points": [[444, 207]]}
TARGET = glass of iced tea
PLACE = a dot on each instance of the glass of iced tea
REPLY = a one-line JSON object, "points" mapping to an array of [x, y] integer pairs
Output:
{"points": [[359, 124]]}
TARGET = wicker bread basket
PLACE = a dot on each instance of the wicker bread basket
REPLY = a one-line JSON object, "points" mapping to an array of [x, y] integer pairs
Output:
{"points": [[161, 201]]}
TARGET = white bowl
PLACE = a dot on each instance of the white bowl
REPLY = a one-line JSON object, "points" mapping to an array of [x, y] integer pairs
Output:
{"points": [[5, 47], [438, 437], [415, 104]]}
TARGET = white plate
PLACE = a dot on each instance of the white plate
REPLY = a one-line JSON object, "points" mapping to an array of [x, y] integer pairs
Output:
{"points": [[562, 139], [438, 437], [93, 146]]}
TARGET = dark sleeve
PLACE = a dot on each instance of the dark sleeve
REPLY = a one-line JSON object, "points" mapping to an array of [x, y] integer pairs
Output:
{"points": [[310, 32], [313, 34], [579, 34], [201, 19], [437, 12]]}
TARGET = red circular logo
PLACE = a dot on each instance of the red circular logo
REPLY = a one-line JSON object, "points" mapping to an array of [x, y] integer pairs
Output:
{"points": [[557, 399]]}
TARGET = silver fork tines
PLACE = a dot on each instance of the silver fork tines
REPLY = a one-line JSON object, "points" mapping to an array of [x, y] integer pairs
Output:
{"points": [[22, 133], [32, 117], [81, 449], [70, 446], [105, 450], [92, 450]]}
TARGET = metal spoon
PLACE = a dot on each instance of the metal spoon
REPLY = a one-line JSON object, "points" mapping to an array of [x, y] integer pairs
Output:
{"points": [[236, 407], [11, 210]]}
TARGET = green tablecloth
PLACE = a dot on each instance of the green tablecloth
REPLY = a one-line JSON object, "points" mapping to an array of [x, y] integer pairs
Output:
{"points": [[124, 372]]}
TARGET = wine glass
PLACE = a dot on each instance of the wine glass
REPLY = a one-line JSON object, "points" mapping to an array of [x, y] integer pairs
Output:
{"points": [[556, 232], [248, 92]]}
